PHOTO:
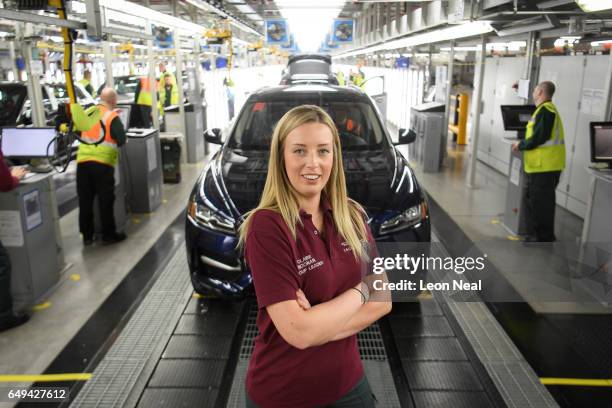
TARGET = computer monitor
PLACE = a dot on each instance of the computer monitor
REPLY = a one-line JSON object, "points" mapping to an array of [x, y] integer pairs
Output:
{"points": [[124, 112], [601, 142], [28, 142], [516, 117]]}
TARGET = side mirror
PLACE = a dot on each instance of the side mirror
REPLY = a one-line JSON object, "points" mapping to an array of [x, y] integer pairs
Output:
{"points": [[213, 136], [405, 137]]}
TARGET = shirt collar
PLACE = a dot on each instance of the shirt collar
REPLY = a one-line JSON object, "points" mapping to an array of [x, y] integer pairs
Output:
{"points": [[325, 205]]}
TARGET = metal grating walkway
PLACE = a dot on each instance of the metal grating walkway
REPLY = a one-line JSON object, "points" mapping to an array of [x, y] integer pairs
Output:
{"points": [[511, 374], [132, 355], [371, 348], [177, 350]]}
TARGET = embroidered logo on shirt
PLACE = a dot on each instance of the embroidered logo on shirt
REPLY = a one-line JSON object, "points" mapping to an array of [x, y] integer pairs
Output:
{"points": [[345, 246], [307, 263]]}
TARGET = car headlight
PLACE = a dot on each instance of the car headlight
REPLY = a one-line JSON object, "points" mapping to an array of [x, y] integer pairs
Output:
{"points": [[407, 219], [207, 218]]}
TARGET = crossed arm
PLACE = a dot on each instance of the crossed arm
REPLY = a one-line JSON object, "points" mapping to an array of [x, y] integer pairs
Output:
{"points": [[304, 326]]}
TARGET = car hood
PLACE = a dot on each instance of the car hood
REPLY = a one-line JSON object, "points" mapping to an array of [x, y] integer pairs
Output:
{"points": [[379, 180]]}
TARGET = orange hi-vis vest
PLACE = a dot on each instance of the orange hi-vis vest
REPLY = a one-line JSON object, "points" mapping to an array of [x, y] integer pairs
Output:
{"points": [[144, 97], [104, 152]]}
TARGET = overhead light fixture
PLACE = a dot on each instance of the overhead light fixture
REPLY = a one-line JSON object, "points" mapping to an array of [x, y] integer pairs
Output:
{"points": [[526, 28], [590, 6], [245, 8], [454, 32], [468, 48], [133, 10], [510, 46]]}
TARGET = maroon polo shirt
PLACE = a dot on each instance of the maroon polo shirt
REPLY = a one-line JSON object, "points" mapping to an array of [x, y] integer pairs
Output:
{"points": [[280, 375]]}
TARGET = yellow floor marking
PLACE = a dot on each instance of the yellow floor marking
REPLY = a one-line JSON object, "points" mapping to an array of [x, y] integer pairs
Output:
{"points": [[513, 238], [18, 378], [577, 382], [41, 306], [495, 221], [425, 295], [198, 296], [75, 277]]}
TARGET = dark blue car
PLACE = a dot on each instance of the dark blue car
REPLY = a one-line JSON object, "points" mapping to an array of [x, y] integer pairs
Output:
{"points": [[377, 176]]}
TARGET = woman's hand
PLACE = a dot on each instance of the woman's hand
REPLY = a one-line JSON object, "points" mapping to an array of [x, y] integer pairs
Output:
{"points": [[18, 172], [302, 301]]}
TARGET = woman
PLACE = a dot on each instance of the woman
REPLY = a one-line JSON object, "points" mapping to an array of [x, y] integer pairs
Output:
{"points": [[303, 244]]}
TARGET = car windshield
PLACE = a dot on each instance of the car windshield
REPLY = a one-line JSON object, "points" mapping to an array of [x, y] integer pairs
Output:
{"points": [[11, 101], [357, 123]]}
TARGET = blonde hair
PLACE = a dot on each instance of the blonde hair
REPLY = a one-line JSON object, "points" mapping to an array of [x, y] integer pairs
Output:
{"points": [[280, 196]]}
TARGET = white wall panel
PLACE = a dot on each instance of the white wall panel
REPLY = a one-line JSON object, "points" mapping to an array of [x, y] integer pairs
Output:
{"points": [[595, 72], [509, 71], [486, 116], [566, 72], [576, 79]]}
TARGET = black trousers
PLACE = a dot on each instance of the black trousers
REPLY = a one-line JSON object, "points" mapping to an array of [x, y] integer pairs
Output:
{"points": [[541, 203], [6, 301], [96, 179]]}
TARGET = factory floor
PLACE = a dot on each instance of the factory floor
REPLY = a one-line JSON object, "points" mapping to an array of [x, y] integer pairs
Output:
{"points": [[91, 275], [130, 309], [560, 324]]}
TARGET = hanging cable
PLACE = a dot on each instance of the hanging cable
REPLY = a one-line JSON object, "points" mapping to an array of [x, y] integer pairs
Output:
{"points": [[67, 36], [79, 119]]}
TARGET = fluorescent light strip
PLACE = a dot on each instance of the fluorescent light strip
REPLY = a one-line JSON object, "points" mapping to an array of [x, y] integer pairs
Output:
{"points": [[152, 15], [311, 4], [445, 34], [245, 8]]}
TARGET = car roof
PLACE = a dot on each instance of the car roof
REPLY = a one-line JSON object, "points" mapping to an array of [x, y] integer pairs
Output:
{"points": [[341, 92]]}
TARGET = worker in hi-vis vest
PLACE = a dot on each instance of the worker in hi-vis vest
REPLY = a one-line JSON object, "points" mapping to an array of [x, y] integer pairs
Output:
{"points": [[96, 170], [168, 89], [86, 82], [544, 159], [144, 98]]}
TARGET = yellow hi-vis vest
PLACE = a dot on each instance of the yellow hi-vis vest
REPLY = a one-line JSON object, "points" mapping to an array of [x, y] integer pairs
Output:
{"points": [[174, 94], [549, 156], [105, 152], [340, 77]]}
